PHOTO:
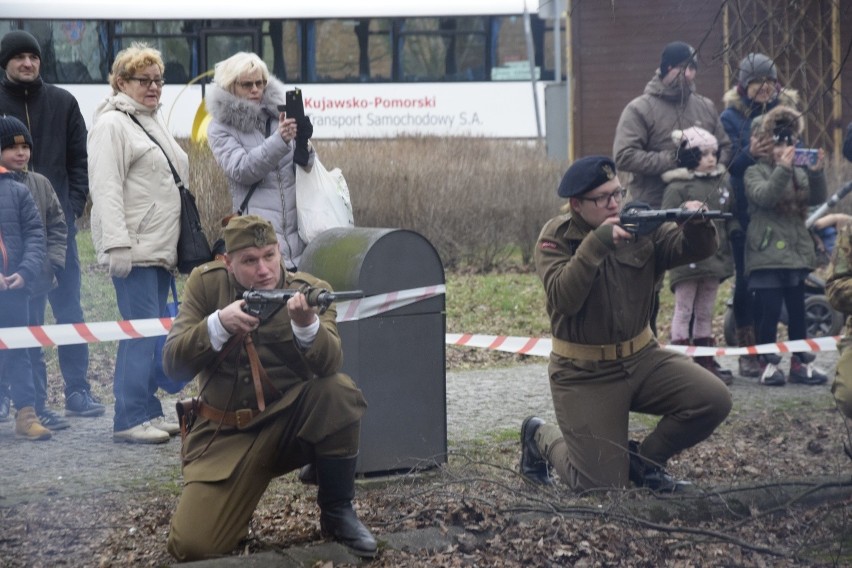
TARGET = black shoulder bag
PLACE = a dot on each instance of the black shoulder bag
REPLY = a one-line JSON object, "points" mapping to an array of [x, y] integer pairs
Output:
{"points": [[193, 248]]}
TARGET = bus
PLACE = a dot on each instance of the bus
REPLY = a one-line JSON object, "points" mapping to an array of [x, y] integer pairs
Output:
{"points": [[367, 69]]}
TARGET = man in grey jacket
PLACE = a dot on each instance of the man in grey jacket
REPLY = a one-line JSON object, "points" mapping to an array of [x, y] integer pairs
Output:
{"points": [[643, 145]]}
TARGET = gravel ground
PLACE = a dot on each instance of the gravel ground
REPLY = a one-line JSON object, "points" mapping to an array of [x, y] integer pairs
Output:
{"points": [[84, 461]]}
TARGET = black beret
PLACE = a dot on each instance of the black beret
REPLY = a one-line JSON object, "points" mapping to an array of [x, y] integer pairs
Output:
{"points": [[585, 175]]}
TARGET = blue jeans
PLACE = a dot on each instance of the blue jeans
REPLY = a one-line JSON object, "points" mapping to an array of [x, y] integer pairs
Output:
{"points": [[141, 295], [36, 354], [15, 363], [66, 306]]}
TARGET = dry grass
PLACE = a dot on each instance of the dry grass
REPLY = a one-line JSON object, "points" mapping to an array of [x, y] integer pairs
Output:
{"points": [[478, 201]]}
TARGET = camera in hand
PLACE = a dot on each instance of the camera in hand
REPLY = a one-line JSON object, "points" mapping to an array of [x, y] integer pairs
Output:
{"points": [[293, 107], [805, 157]]}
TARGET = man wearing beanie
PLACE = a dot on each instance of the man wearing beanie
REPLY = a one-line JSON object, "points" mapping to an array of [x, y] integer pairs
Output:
{"points": [[253, 423], [643, 146], [757, 92], [15, 149], [58, 132], [602, 368]]}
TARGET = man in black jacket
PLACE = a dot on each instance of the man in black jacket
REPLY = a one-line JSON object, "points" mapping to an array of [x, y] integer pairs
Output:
{"points": [[53, 118]]}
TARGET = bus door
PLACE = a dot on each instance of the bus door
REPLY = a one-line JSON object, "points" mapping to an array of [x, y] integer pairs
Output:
{"points": [[218, 44]]}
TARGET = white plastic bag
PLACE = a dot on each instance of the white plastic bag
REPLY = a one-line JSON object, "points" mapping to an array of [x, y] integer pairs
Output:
{"points": [[322, 201]]}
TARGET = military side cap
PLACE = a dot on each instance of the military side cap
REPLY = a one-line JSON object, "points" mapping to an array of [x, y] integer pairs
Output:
{"points": [[585, 175], [245, 231]]}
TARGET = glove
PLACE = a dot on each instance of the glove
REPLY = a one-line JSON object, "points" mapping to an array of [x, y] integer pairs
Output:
{"points": [[688, 158], [301, 154], [119, 262], [304, 128]]}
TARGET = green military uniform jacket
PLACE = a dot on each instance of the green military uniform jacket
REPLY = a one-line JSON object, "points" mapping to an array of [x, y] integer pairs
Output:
{"points": [[777, 236], [598, 294], [838, 288], [711, 189], [229, 386]]}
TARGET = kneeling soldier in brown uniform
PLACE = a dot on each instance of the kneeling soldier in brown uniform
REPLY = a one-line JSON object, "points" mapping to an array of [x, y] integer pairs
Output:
{"points": [[271, 399], [600, 280]]}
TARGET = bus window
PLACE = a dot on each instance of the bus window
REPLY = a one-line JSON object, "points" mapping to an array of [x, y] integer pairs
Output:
{"points": [[282, 49], [71, 51], [353, 50], [510, 58], [443, 49], [220, 44], [170, 38]]}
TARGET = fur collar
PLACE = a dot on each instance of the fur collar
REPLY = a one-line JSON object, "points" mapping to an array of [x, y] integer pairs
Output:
{"points": [[733, 99], [781, 115], [243, 114], [684, 174]]}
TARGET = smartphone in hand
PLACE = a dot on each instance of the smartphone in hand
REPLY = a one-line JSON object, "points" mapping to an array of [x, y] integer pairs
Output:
{"points": [[293, 107], [805, 157]]}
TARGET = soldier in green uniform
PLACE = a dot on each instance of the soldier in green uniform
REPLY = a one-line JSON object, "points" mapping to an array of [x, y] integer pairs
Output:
{"points": [[599, 281], [271, 399], [838, 288]]}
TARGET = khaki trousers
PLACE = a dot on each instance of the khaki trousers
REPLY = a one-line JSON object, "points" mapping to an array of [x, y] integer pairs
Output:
{"points": [[841, 388], [212, 517], [593, 399]]}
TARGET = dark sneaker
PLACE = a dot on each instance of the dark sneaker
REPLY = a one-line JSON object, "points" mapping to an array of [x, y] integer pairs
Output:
{"points": [[81, 403], [804, 372], [5, 408], [534, 467], [650, 476], [770, 374], [51, 420]]}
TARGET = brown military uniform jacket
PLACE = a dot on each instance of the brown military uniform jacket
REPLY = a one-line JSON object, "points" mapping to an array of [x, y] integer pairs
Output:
{"points": [[838, 288], [229, 386], [597, 294]]}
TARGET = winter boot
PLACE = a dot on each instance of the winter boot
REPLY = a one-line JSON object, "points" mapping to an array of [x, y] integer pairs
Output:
{"points": [[710, 363], [803, 370], [534, 467], [749, 364], [308, 474], [28, 427], [770, 374], [336, 480], [654, 477]]}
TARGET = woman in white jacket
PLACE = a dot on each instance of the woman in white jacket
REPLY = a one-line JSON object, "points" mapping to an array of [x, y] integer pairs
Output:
{"points": [[256, 145], [135, 226]]}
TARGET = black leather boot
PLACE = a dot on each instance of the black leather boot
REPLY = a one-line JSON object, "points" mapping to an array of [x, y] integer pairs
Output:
{"points": [[534, 467], [651, 476], [308, 474], [336, 480]]}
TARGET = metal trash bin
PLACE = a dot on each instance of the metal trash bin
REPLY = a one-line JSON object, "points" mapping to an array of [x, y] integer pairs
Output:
{"points": [[396, 357]]}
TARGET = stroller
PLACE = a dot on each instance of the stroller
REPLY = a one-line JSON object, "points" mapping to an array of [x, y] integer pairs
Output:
{"points": [[820, 318]]}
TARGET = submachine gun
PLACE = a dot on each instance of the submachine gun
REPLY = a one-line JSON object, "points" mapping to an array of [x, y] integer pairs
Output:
{"points": [[638, 218], [263, 303]]}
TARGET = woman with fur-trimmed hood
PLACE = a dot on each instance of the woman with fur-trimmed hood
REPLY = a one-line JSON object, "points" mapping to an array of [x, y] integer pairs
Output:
{"points": [[255, 144], [779, 252], [757, 92]]}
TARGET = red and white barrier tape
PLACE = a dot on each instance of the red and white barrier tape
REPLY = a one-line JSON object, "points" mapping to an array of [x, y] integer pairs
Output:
{"points": [[68, 334], [541, 347]]}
